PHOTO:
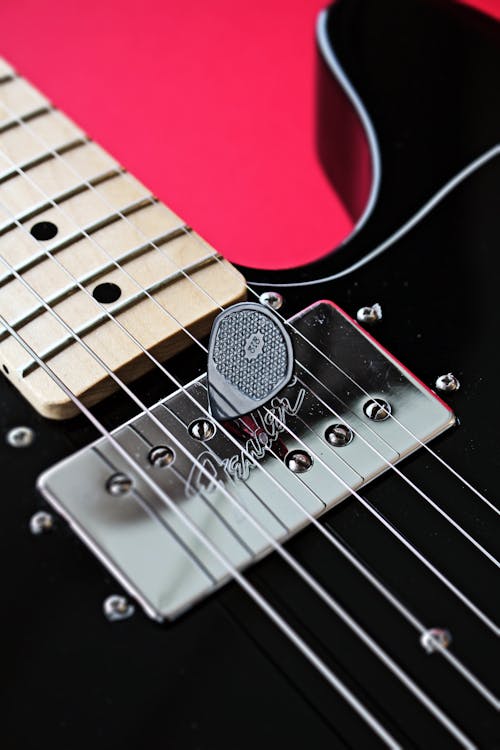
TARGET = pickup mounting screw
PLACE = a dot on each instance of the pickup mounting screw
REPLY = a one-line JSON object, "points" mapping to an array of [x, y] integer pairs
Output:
{"points": [[117, 608], [434, 638], [298, 461], [20, 437], [202, 429], [369, 314], [447, 383], [377, 409], [118, 484], [339, 435], [274, 300], [41, 522], [161, 456]]}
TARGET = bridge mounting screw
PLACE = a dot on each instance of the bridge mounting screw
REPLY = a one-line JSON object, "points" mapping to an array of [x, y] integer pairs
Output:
{"points": [[20, 437], [377, 409], [118, 484], [339, 435], [274, 300], [117, 608], [447, 383], [41, 522], [161, 456], [369, 314], [202, 429], [435, 638], [298, 461]]}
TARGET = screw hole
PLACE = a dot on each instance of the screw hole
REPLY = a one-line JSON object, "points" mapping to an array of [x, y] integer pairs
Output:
{"points": [[5, 369]]}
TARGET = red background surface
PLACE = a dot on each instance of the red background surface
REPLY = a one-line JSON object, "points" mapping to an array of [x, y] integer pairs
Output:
{"points": [[211, 104]]}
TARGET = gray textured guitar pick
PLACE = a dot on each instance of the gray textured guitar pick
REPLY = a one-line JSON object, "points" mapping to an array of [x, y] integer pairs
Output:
{"points": [[250, 359]]}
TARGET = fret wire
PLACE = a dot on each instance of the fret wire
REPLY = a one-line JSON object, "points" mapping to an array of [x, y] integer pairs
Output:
{"points": [[120, 307], [282, 624], [45, 157], [58, 199], [252, 290], [204, 291], [91, 276], [90, 229], [18, 121]]}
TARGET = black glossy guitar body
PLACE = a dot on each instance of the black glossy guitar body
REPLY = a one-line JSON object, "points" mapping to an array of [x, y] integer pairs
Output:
{"points": [[222, 677]]}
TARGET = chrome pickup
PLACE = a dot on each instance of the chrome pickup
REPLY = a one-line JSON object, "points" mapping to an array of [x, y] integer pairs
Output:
{"points": [[327, 432]]}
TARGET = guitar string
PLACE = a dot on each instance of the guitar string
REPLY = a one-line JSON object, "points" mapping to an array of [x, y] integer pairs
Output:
{"points": [[48, 308], [261, 602], [447, 188], [292, 562], [270, 539], [58, 156], [124, 270], [455, 662]]}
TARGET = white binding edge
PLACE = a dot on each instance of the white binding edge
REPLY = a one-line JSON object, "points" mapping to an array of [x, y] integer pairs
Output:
{"points": [[337, 70]]}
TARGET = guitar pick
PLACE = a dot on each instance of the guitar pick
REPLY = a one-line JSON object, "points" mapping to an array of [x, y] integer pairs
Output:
{"points": [[250, 359]]}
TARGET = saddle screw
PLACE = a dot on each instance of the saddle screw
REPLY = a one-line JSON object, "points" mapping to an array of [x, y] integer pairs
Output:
{"points": [[20, 437], [434, 638], [160, 456], [274, 300], [369, 314], [41, 522], [447, 383], [298, 461], [118, 484], [117, 608], [201, 429], [339, 435], [377, 409]]}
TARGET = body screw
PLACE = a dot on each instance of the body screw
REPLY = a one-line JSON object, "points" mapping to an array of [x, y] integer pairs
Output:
{"points": [[369, 314], [298, 461], [274, 300], [447, 383], [160, 456], [118, 484], [339, 435], [117, 608], [434, 638], [20, 437], [377, 409], [41, 522], [202, 429]]}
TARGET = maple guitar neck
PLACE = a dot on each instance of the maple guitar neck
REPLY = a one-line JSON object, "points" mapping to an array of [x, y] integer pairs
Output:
{"points": [[94, 245]]}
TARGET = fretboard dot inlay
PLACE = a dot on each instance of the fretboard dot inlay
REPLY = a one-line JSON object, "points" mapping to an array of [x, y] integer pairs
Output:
{"points": [[44, 230], [107, 292]]}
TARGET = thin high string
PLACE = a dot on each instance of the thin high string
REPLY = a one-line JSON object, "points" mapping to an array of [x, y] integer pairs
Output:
{"points": [[316, 587], [126, 176], [285, 627], [463, 670], [73, 334], [47, 253], [261, 602], [21, 172]]}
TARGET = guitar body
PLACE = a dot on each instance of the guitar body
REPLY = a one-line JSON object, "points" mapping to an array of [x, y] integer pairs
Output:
{"points": [[222, 676]]}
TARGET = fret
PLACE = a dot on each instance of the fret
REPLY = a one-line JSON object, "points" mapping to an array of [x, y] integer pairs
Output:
{"points": [[40, 159], [115, 310], [20, 241], [18, 99], [46, 132], [7, 72], [110, 228], [97, 273]]}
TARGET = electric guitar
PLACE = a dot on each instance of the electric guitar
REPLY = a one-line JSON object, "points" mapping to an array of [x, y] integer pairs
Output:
{"points": [[247, 508]]}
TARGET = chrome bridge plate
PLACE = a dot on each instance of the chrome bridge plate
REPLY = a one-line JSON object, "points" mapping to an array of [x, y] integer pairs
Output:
{"points": [[163, 564]]}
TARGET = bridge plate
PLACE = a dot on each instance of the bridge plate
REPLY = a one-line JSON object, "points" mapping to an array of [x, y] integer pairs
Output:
{"points": [[149, 549]]}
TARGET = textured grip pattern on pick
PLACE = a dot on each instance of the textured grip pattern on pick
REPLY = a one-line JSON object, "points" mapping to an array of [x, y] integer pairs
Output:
{"points": [[250, 359]]}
